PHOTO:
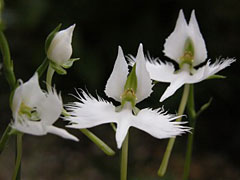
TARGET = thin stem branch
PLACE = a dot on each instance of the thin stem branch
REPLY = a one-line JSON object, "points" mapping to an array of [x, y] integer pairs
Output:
{"points": [[42, 67], [124, 158], [50, 73], [4, 138], [17, 173], [103, 146], [164, 164], [7, 62]]}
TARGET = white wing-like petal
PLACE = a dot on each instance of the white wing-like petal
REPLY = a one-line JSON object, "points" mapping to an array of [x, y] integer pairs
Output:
{"points": [[209, 70], [115, 84], [90, 112], [174, 44], [200, 51], [50, 108], [144, 83], [31, 92], [184, 77], [61, 132], [160, 71], [157, 123]]}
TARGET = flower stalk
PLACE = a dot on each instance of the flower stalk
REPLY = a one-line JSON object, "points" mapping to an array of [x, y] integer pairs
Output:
{"points": [[183, 103], [17, 172], [124, 158], [192, 115]]}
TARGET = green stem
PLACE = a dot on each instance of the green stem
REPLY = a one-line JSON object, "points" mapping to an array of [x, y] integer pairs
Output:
{"points": [[50, 73], [42, 67], [4, 138], [192, 120], [17, 170], [164, 164], [124, 158], [7, 62], [103, 146]]}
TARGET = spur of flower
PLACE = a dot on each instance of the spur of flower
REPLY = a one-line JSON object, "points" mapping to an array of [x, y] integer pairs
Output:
{"points": [[128, 89], [35, 111], [186, 46]]}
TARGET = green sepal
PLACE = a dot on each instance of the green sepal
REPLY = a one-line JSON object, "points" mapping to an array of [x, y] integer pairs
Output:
{"points": [[58, 68], [204, 107], [69, 63], [216, 77], [131, 82], [50, 37]]}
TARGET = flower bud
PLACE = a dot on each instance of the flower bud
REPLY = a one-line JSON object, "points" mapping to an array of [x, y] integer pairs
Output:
{"points": [[60, 49]]}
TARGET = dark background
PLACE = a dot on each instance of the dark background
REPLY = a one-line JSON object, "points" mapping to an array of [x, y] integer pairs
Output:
{"points": [[101, 27]]}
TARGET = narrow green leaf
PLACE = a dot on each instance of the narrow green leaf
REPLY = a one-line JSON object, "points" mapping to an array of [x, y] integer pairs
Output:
{"points": [[216, 77], [204, 107]]}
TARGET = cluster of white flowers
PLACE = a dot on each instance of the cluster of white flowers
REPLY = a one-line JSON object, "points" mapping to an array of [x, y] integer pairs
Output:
{"points": [[34, 111]]}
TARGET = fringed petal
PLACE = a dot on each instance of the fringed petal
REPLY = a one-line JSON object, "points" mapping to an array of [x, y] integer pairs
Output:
{"points": [[89, 112], [158, 123]]}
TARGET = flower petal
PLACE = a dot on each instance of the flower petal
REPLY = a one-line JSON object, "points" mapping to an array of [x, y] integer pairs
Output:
{"points": [[200, 51], [61, 132], [157, 123], [124, 118], [17, 100], [90, 112], [160, 71], [115, 84], [31, 92], [50, 108], [209, 70], [184, 77], [174, 44], [29, 127], [144, 83]]}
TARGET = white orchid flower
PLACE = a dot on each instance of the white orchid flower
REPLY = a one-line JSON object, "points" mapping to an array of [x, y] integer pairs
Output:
{"points": [[60, 49], [34, 111], [128, 90], [186, 46]]}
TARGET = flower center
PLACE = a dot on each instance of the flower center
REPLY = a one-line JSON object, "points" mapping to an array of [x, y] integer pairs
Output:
{"points": [[130, 89], [29, 112], [188, 54]]}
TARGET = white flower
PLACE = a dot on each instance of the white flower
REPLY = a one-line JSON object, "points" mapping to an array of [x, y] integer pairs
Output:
{"points": [[186, 46], [90, 111], [60, 49], [34, 111]]}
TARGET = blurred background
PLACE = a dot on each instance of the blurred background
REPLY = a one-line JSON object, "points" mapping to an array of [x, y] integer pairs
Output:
{"points": [[101, 27]]}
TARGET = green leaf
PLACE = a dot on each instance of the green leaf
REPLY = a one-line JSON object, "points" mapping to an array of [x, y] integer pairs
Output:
{"points": [[51, 36], [216, 77], [69, 63], [58, 68], [204, 107]]}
